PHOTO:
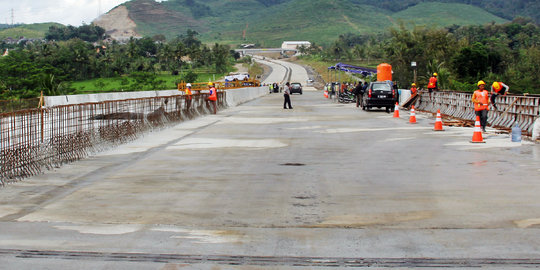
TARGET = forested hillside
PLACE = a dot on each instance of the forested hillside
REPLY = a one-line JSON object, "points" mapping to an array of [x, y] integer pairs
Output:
{"points": [[269, 22]]}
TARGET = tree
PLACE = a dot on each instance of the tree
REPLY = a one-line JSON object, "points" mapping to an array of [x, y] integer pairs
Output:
{"points": [[470, 63]]}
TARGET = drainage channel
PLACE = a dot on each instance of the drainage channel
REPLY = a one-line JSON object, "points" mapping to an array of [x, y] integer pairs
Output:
{"points": [[271, 260]]}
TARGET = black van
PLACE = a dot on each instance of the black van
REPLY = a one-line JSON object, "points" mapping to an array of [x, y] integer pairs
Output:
{"points": [[379, 94]]}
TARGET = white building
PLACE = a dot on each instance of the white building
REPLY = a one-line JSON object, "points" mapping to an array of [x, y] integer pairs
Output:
{"points": [[293, 45]]}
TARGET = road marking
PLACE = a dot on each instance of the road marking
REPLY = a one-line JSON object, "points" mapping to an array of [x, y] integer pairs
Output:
{"points": [[348, 130], [208, 143], [102, 229]]}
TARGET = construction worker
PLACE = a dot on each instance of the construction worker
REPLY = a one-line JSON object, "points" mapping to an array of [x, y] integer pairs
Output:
{"points": [[188, 94], [498, 88], [213, 96], [433, 84], [480, 98], [413, 89]]}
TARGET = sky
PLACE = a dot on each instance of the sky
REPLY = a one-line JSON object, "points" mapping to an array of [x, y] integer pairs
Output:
{"points": [[72, 12]]}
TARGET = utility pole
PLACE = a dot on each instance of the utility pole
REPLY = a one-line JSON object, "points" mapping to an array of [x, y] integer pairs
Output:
{"points": [[12, 16]]}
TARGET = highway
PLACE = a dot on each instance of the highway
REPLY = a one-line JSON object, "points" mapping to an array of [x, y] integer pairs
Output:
{"points": [[258, 187]]}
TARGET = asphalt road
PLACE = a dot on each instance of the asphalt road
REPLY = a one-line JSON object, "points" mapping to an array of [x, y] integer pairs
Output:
{"points": [[259, 187]]}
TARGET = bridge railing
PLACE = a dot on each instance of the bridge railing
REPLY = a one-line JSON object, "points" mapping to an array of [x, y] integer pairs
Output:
{"points": [[512, 109], [221, 85], [37, 139]]}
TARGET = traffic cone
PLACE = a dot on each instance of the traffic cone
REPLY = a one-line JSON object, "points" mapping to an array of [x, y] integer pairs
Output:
{"points": [[412, 118], [396, 111], [477, 135], [438, 122], [325, 93]]}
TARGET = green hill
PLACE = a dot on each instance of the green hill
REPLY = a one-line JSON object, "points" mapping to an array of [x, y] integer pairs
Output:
{"points": [[269, 22], [445, 14], [36, 30]]}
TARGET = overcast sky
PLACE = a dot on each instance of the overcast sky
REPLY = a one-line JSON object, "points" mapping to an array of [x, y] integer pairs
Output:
{"points": [[73, 12]]}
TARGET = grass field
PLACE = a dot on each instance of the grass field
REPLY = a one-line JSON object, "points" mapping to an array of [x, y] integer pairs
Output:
{"points": [[36, 30], [121, 84]]}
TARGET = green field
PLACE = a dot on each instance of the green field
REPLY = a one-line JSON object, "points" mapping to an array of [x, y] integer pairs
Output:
{"points": [[36, 30], [120, 84]]}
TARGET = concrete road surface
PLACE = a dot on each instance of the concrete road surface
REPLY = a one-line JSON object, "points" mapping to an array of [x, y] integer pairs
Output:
{"points": [[259, 187]]}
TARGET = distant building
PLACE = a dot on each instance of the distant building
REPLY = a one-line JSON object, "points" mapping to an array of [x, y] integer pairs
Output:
{"points": [[293, 45]]}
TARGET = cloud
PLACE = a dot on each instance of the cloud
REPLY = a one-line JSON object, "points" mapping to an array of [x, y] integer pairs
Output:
{"points": [[72, 12]]}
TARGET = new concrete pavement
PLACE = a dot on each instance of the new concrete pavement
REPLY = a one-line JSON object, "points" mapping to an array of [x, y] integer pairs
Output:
{"points": [[256, 186]]}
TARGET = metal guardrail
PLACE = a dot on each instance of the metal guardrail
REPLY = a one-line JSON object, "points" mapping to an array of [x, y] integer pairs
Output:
{"points": [[512, 109], [38, 139], [221, 85]]}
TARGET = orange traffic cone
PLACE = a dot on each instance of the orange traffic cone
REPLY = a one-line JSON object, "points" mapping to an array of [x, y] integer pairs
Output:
{"points": [[325, 93], [438, 122], [477, 135], [396, 111], [412, 118]]}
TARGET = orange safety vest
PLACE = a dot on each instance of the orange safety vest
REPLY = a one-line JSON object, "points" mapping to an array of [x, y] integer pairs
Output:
{"points": [[480, 100], [497, 90], [213, 94], [188, 93], [413, 90], [432, 82]]}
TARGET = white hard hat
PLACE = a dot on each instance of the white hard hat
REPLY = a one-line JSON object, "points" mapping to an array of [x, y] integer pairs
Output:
{"points": [[188, 85]]}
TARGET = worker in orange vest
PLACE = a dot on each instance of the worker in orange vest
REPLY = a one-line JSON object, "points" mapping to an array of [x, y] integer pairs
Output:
{"points": [[413, 89], [213, 96], [188, 94], [480, 98], [498, 88], [432, 85]]}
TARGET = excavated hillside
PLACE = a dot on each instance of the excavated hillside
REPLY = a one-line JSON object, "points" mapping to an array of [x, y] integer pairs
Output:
{"points": [[118, 24]]}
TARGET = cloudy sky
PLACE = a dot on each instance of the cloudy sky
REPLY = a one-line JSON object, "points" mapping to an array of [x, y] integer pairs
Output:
{"points": [[73, 12]]}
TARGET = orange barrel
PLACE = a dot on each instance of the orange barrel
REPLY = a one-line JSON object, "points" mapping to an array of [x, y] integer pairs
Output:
{"points": [[384, 72]]}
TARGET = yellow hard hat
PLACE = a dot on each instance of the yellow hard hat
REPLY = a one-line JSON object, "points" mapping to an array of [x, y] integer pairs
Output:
{"points": [[414, 84], [496, 85], [210, 83], [480, 83], [435, 74]]}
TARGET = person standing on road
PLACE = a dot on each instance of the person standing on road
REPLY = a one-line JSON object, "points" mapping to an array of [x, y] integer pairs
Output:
{"points": [[480, 98], [498, 88], [433, 85], [213, 96], [286, 95], [357, 93], [188, 95]]}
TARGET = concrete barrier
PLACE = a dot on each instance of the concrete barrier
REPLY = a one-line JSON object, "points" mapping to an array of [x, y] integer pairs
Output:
{"points": [[238, 96], [90, 98], [235, 97]]}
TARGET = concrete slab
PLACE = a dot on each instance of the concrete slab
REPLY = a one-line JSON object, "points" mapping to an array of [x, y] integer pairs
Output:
{"points": [[322, 180]]}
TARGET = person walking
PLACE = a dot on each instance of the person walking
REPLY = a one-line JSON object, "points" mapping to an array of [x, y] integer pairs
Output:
{"points": [[287, 96], [480, 98], [498, 88]]}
